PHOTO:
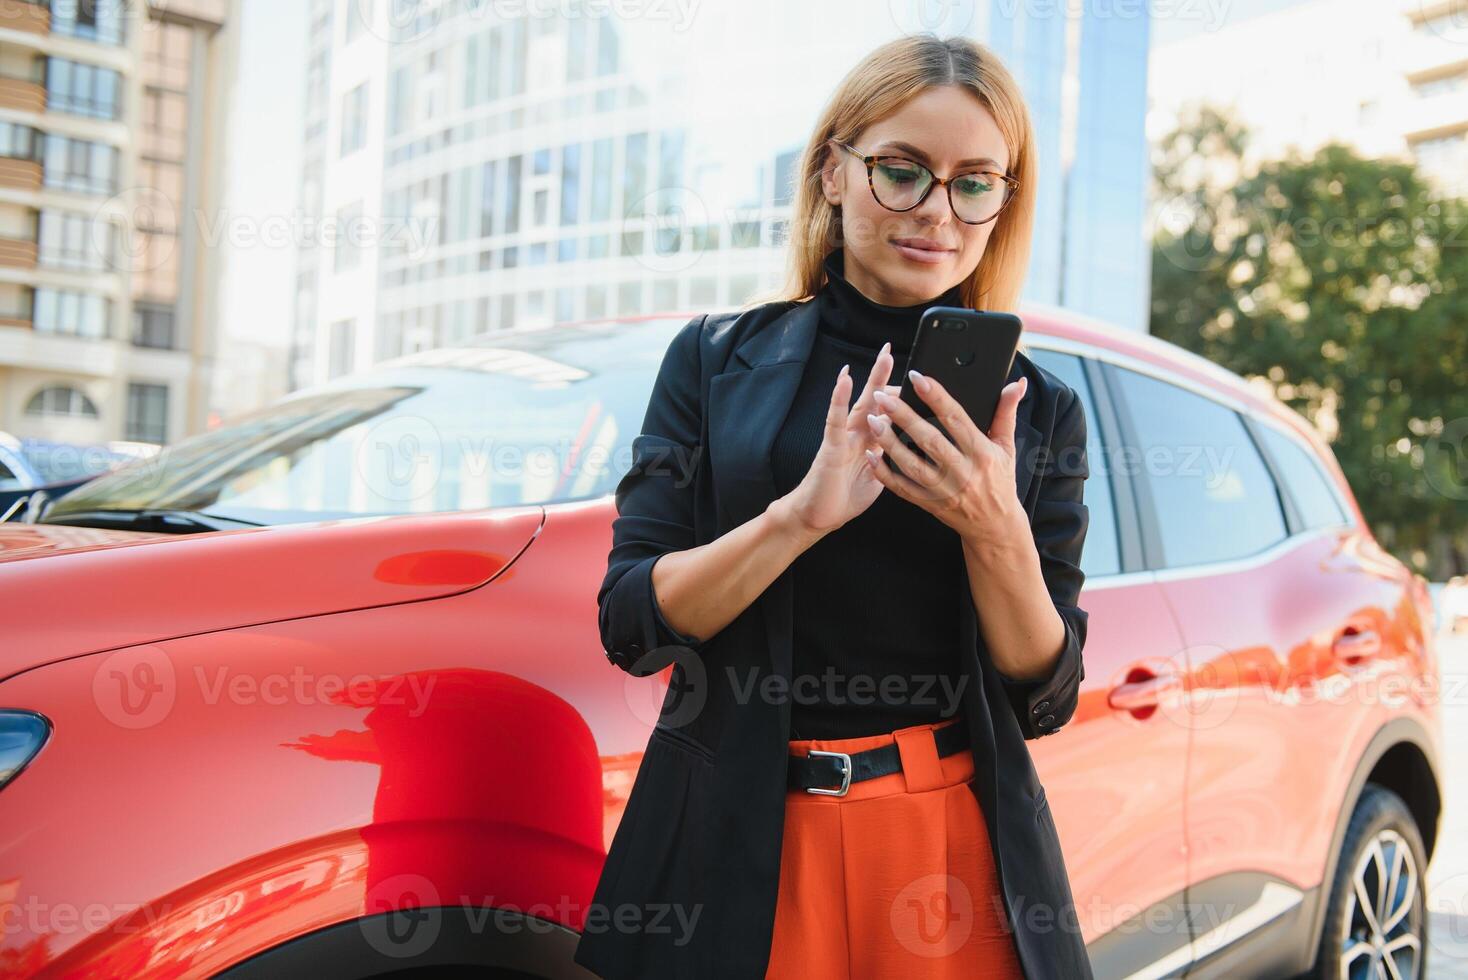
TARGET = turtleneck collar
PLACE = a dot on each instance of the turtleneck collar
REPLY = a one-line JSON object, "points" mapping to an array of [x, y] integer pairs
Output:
{"points": [[847, 314]]}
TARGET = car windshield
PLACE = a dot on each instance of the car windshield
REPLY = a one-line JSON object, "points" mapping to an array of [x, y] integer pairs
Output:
{"points": [[529, 418]]}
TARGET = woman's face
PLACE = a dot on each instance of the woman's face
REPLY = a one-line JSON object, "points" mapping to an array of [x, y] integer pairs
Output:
{"points": [[946, 128]]}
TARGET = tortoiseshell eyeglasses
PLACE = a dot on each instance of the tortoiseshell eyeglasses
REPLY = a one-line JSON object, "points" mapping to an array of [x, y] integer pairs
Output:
{"points": [[900, 184]]}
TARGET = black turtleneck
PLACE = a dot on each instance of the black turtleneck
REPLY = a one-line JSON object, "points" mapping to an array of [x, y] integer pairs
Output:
{"points": [[876, 614], [847, 314]]}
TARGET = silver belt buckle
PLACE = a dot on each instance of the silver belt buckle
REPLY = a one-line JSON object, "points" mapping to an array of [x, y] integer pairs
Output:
{"points": [[845, 774]]}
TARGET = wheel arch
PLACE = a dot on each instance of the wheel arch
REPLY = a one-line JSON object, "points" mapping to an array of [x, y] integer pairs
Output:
{"points": [[1400, 757], [510, 943]]}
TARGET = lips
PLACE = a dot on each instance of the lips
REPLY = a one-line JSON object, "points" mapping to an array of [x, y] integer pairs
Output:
{"points": [[922, 244]]}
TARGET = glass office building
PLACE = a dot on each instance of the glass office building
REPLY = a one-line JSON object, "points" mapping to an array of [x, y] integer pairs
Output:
{"points": [[482, 173]]}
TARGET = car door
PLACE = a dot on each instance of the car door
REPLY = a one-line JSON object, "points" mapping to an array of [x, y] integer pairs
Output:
{"points": [[1115, 774], [1262, 603]]}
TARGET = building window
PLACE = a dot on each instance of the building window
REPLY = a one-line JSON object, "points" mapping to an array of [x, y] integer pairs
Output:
{"points": [[570, 183], [354, 120], [19, 142], [80, 165], [511, 206], [65, 311], [168, 49], [1443, 25], [83, 90], [634, 176], [153, 325], [1443, 154], [359, 18], [399, 100], [1441, 86], [488, 191], [348, 237], [74, 241], [61, 400], [342, 342], [165, 123], [94, 20], [147, 412]]}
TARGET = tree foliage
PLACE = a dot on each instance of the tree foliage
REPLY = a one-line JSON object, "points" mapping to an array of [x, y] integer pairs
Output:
{"points": [[1343, 282]]}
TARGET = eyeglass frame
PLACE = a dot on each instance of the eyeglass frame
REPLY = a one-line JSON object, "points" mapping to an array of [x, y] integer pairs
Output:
{"points": [[870, 159]]}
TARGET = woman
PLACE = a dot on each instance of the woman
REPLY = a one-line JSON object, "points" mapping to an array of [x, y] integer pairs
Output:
{"points": [[838, 783]]}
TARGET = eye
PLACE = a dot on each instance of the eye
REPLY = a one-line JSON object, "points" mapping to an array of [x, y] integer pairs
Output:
{"points": [[900, 171], [974, 185]]}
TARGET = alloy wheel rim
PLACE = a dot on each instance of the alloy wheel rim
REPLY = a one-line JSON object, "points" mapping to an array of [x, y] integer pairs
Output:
{"points": [[1382, 936]]}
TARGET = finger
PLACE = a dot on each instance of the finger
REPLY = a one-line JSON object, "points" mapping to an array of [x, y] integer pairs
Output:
{"points": [[881, 371], [836, 409], [939, 447], [894, 481], [947, 410], [921, 472], [1001, 430]]}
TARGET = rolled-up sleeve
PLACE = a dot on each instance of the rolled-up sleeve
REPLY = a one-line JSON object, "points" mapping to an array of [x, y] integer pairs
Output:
{"points": [[655, 508], [1059, 523]]}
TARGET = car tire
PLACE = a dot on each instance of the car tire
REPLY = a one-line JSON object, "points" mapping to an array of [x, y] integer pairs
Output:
{"points": [[1381, 840]]}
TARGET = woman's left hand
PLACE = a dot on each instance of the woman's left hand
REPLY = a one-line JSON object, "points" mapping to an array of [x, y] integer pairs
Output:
{"points": [[970, 485]]}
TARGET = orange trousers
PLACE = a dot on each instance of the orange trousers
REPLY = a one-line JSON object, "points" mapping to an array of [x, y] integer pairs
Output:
{"points": [[894, 879]]}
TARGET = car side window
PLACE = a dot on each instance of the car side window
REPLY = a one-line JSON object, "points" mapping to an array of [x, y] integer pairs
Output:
{"points": [[1211, 494], [1101, 554], [1308, 485]]}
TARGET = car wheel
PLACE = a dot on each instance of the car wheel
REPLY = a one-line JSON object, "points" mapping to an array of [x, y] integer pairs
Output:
{"points": [[1376, 922]]}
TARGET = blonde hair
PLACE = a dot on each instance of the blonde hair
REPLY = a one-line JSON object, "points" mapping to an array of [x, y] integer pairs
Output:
{"points": [[878, 86]]}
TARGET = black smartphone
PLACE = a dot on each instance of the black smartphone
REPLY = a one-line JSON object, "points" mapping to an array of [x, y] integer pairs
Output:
{"points": [[970, 353]]}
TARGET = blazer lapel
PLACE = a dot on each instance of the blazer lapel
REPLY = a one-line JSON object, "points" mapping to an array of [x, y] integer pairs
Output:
{"points": [[748, 405]]}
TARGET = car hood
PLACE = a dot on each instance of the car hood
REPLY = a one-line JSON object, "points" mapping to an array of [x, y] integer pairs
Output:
{"points": [[85, 590], [19, 541]]}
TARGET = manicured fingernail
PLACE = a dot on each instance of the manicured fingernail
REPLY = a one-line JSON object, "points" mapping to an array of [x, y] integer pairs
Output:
{"points": [[843, 370], [871, 456], [919, 381], [881, 396], [877, 422]]}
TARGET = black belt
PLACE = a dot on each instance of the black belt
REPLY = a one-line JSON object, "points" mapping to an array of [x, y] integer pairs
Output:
{"points": [[836, 771]]}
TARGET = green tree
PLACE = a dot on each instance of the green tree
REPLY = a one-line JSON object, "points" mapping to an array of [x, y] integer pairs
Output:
{"points": [[1335, 279]]}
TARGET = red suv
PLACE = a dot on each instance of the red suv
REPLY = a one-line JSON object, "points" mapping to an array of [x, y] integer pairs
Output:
{"points": [[323, 689]]}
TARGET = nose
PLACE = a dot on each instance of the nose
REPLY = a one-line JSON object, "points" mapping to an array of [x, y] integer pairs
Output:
{"points": [[935, 210]]}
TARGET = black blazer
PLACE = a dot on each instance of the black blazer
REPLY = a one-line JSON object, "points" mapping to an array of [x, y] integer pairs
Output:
{"points": [[690, 882]]}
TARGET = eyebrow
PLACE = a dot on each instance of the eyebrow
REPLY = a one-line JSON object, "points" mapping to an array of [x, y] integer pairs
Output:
{"points": [[923, 157]]}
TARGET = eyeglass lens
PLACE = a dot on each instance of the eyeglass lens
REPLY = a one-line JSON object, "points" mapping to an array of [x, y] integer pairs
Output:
{"points": [[900, 184]]}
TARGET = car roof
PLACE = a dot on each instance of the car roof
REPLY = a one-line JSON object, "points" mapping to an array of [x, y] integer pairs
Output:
{"points": [[589, 344]]}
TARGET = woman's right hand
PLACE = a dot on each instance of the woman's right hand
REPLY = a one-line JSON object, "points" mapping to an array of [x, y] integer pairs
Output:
{"points": [[840, 484]]}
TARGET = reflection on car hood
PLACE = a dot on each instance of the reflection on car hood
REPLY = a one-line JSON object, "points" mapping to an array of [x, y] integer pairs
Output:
{"points": [[19, 541], [88, 593]]}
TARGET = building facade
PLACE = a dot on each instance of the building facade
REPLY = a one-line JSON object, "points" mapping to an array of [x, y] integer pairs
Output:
{"points": [[477, 172], [111, 122], [1387, 78]]}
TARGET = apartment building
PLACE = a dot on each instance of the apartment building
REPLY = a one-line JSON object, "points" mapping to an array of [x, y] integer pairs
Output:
{"points": [[111, 123]]}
